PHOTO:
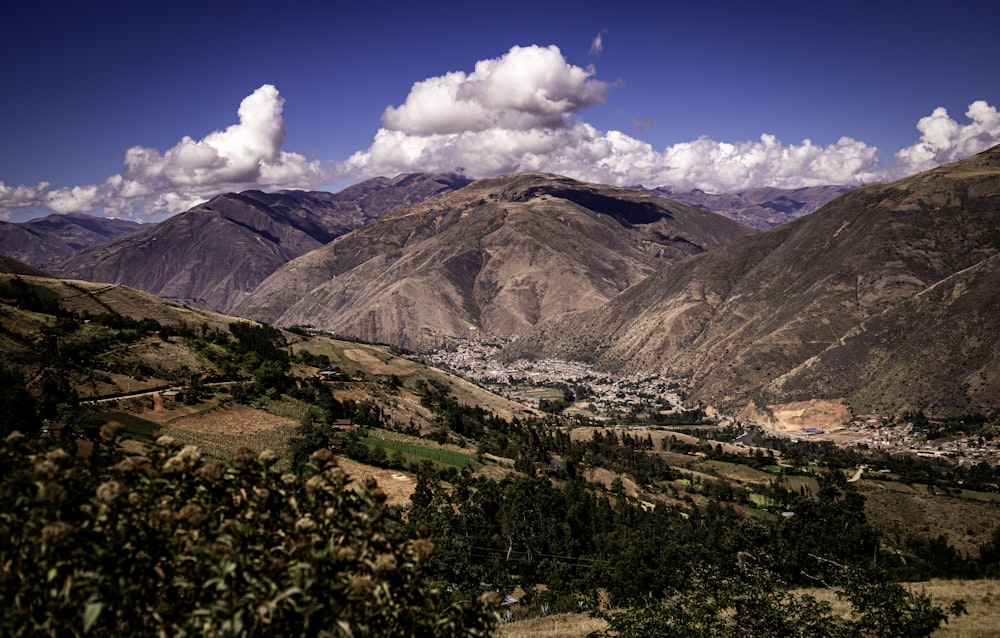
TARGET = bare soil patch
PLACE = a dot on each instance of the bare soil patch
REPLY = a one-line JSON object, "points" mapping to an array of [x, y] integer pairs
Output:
{"points": [[229, 421], [397, 485], [793, 418], [233, 420], [814, 413]]}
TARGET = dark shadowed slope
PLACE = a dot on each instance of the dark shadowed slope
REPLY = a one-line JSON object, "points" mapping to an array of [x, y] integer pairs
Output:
{"points": [[12, 266]]}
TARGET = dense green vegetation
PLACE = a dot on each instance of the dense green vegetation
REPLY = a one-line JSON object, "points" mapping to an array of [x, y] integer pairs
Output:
{"points": [[177, 544], [112, 545]]}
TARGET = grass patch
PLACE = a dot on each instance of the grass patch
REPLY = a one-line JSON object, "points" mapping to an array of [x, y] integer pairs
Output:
{"points": [[221, 446], [982, 598], [554, 626], [988, 497], [759, 500], [735, 472], [418, 452], [537, 392], [800, 484], [135, 427]]}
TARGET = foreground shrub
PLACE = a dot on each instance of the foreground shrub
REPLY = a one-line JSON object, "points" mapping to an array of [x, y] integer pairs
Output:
{"points": [[177, 545], [756, 604]]}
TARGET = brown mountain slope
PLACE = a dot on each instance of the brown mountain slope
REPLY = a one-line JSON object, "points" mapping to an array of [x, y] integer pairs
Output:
{"points": [[494, 258], [38, 241], [214, 254], [936, 351], [735, 319]]}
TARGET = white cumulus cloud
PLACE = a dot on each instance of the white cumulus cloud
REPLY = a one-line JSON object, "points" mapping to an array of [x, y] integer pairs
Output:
{"points": [[943, 140], [528, 88], [154, 184], [520, 112], [13, 197], [721, 166]]}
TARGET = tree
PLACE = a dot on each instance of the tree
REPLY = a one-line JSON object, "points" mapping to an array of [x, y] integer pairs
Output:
{"points": [[989, 556], [16, 404], [194, 391], [271, 376]]}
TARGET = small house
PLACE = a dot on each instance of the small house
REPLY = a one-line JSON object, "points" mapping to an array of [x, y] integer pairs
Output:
{"points": [[344, 424]]}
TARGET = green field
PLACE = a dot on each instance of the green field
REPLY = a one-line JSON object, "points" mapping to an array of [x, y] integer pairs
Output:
{"points": [[759, 500], [735, 472], [135, 427], [800, 484], [418, 452]]}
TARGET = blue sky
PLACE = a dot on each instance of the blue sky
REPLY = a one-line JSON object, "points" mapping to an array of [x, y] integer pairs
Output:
{"points": [[119, 109]]}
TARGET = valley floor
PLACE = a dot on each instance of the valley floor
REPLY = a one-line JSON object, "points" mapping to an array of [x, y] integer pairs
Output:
{"points": [[603, 396]]}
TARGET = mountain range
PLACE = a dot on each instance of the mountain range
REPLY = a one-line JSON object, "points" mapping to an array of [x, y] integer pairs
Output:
{"points": [[213, 255], [490, 260], [760, 208], [884, 299], [39, 241]]}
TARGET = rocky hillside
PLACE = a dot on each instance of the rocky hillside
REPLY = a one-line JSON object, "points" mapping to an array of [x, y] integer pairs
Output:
{"points": [[936, 351], [214, 254], [863, 303], [38, 241], [492, 259]]}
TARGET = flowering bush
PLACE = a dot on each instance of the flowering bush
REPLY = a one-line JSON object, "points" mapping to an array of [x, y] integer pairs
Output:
{"points": [[176, 544]]}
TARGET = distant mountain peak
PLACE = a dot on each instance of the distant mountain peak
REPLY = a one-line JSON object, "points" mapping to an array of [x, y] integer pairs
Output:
{"points": [[760, 208], [39, 241]]}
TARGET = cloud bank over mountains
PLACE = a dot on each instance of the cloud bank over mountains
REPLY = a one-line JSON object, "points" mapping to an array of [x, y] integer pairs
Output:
{"points": [[519, 112], [153, 185]]}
